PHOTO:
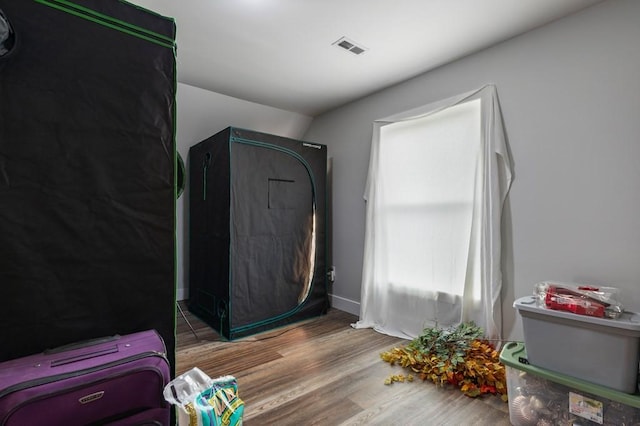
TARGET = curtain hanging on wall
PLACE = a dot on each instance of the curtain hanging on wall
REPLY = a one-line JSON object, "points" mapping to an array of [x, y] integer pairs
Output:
{"points": [[443, 291]]}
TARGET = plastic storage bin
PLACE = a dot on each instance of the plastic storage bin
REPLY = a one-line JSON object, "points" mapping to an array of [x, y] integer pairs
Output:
{"points": [[599, 350], [539, 397]]}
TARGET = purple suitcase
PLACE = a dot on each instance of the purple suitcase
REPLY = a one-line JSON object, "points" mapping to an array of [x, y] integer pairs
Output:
{"points": [[115, 381]]}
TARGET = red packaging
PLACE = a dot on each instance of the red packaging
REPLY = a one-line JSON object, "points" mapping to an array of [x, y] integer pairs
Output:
{"points": [[562, 299]]}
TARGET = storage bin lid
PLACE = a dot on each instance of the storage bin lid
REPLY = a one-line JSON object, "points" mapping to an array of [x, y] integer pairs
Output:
{"points": [[514, 355], [627, 320]]}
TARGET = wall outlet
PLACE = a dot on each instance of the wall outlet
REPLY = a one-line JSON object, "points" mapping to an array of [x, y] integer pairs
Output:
{"points": [[331, 275]]}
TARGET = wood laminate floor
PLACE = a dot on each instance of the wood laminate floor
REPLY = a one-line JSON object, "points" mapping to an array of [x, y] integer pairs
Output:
{"points": [[323, 372]]}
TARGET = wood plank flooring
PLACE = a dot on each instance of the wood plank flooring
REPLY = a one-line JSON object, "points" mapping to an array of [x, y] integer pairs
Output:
{"points": [[323, 372]]}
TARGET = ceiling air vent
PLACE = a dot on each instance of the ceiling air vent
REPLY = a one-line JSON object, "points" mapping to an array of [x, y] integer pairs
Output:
{"points": [[350, 45]]}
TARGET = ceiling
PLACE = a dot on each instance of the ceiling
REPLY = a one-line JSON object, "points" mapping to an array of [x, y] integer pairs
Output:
{"points": [[281, 53]]}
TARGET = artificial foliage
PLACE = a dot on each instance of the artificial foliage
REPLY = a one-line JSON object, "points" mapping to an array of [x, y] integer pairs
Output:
{"points": [[458, 356]]}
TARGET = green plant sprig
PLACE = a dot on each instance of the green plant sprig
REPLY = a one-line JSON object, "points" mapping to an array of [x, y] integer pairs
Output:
{"points": [[458, 356]]}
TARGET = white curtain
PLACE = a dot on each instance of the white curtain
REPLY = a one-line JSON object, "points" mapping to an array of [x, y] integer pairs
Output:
{"points": [[432, 244]]}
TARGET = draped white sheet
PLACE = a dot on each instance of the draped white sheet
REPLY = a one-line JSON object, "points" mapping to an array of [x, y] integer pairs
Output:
{"points": [[403, 309]]}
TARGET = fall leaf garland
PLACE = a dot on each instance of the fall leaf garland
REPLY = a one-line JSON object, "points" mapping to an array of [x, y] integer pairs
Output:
{"points": [[458, 356]]}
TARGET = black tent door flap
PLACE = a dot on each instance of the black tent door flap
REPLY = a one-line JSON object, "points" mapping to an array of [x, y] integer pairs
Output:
{"points": [[273, 235]]}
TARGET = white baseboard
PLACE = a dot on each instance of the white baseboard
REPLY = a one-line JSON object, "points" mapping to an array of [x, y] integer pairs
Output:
{"points": [[346, 305]]}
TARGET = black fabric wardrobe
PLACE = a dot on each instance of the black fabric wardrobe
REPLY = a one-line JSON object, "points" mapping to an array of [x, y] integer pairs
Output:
{"points": [[257, 240], [87, 160]]}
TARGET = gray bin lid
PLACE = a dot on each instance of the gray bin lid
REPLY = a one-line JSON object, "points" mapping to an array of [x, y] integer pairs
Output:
{"points": [[628, 320]]}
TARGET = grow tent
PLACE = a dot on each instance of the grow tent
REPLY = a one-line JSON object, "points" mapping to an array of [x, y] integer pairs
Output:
{"points": [[257, 231], [87, 155]]}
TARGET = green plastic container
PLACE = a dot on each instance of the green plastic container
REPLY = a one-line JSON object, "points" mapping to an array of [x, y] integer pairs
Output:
{"points": [[539, 396]]}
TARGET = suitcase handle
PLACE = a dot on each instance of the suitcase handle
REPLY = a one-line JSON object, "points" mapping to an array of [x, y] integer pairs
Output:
{"points": [[81, 344], [82, 357]]}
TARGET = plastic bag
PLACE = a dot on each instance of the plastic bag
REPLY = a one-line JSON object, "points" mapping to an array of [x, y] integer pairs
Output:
{"points": [[580, 299], [7, 36], [201, 400]]}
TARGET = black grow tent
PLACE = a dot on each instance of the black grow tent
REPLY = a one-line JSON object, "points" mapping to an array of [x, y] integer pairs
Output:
{"points": [[87, 158], [257, 220]]}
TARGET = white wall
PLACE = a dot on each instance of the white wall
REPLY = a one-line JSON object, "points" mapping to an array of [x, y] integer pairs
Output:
{"points": [[570, 96], [200, 114]]}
